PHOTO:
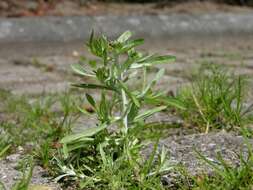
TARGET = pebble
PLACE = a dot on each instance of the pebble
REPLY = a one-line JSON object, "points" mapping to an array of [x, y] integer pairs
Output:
{"points": [[13, 158]]}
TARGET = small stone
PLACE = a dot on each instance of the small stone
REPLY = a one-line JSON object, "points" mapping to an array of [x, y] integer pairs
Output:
{"points": [[75, 54], [13, 158]]}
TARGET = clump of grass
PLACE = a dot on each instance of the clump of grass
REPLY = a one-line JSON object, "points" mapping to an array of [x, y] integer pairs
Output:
{"points": [[108, 156], [35, 124], [26, 166], [5, 144], [216, 99], [224, 175]]}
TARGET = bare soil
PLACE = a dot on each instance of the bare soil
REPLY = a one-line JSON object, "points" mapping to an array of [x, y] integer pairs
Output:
{"points": [[37, 68], [15, 8]]}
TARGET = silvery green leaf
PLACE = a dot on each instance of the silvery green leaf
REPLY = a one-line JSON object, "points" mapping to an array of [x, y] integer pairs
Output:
{"points": [[153, 82], [132, 112], [65, 151], [129, 94], [102, 153], [165, 100], [131, 44], [163, 154], [81, 143], [81, 71], [173, 101], [76, 139], [153, 60], [69, 173], [148, 113], [124, 37], [85, 133]]}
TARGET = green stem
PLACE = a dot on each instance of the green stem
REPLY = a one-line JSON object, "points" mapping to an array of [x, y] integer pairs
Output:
{"points": [[124, 109], [123, 96], [144, 78]]}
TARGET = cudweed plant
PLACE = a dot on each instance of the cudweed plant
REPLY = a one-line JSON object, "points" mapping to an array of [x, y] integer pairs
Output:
{"points": [[103, 157]]}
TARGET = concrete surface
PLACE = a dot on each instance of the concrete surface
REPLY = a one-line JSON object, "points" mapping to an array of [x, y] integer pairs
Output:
{"points": [[66, 29]]}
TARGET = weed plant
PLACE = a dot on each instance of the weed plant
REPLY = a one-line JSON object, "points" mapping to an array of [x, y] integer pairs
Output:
{"points": [[216, 99], [108, 155]]}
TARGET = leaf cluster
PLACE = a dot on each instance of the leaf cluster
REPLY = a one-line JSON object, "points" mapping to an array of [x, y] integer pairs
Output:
{"points": [[108, 155]]}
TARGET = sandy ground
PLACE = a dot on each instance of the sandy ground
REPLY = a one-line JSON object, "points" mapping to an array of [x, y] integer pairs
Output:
{"points": [[33, 69]]}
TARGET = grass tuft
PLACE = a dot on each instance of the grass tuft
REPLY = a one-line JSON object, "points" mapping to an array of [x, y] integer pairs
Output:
{"points": [[215, 100]]}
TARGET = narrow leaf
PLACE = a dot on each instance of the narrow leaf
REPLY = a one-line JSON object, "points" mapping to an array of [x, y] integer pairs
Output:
{"points": [[161, 59], [129, 94], [81, 71], [131, 44], [153, 60], [172, 101], [82, 143], [153, 82], [93, 86], [85, 133], [91, 100], [124, 37], [102, 153], [149, 113]]}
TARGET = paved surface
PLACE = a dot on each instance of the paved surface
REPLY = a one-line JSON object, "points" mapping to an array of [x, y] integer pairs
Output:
{"points": [[65, 29], [33, 70], [36, 53]]}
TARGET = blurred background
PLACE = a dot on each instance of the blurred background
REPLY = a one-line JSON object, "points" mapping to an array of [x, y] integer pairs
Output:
{"points": [[40, 39], [16, 8]]}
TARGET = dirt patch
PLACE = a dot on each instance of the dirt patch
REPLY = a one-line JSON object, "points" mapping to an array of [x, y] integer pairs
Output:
{"points": [[16, 8], [33, 69], [9, 174], [183, 150]]}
